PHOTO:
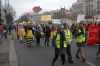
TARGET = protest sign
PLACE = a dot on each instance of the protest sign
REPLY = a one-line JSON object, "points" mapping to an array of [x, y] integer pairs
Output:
{"points": [[93, 35]]}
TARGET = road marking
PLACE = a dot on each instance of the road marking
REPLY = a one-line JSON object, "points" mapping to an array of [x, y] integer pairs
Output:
{"points": [[91, 64]]}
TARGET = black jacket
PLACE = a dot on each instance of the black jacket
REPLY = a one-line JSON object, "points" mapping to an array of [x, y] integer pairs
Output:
{"points": [[47, 31]]}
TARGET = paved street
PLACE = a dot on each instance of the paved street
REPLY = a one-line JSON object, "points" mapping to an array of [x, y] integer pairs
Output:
{"points": [[43, 56]]}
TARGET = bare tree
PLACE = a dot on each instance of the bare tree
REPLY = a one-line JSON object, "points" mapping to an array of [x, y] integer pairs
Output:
{"points": [[9, 12]]}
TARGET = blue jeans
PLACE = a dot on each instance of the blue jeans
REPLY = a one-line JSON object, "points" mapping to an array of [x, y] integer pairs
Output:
{"points": [[69, 53], [47, 41]]}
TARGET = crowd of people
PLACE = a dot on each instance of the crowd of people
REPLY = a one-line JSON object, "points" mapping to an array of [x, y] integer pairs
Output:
{"points": [[61, 36]]}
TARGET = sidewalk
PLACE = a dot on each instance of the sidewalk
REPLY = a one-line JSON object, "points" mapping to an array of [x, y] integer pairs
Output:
{"points": [[4, 53], [13, 61], [7, 53]]}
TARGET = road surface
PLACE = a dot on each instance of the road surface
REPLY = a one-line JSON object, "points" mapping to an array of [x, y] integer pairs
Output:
{"points": [[43, 56]]}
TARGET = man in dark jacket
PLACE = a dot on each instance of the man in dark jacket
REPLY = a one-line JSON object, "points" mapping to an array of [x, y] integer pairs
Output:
{"points": [[60, 45], [47, 35]]}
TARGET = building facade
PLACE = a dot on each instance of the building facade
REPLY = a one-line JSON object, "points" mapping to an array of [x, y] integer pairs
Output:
{"points": [[77, 8], [98, 7], [2, 13], [55, 14], [86, 7], [90, 7]]}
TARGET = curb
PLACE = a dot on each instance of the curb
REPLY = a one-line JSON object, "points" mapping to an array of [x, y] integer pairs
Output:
{"points": [[13, 61]]}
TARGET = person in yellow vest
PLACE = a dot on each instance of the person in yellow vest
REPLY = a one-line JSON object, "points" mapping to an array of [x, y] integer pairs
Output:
{"points": [[21, 33], [60, 45], [53, 31], [68, 36], [80, 39], [29, 36]]}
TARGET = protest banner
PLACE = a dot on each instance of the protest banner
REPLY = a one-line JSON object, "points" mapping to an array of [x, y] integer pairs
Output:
{"points": [[93, 35]]}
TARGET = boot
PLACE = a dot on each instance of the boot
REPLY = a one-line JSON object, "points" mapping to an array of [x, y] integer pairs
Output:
{"points": [[77, 56], [52, 63], [84, 60], [98, 53], [70, 59]]}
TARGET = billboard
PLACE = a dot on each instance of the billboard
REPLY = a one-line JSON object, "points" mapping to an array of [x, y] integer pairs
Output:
{"points": [[80, 18], [56, 21], [65, 20], [45, 17]]}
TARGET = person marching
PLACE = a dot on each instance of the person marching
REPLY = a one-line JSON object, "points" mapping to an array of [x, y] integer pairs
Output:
{"points": [[1, 29], [29, 36], [68, 36], [98, 52], [47, 35], [5, 31], [38, 34], [53, 32], [60, 45], [80, 40], [21, 33]]}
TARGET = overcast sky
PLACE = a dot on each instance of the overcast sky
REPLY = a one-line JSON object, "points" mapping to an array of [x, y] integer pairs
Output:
{"points": [[22, 6]]}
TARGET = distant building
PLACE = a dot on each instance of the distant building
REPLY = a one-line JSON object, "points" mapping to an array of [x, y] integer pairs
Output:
{"points": [[55, 14], [86, 7], [77, 8], [63, 14], [60, 13], [98, 7]]}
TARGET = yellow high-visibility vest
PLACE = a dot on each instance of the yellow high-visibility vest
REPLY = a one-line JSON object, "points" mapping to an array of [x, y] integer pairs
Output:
{"points": [[68, 35], [53, 33], [80, 38], [57, 42]]}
